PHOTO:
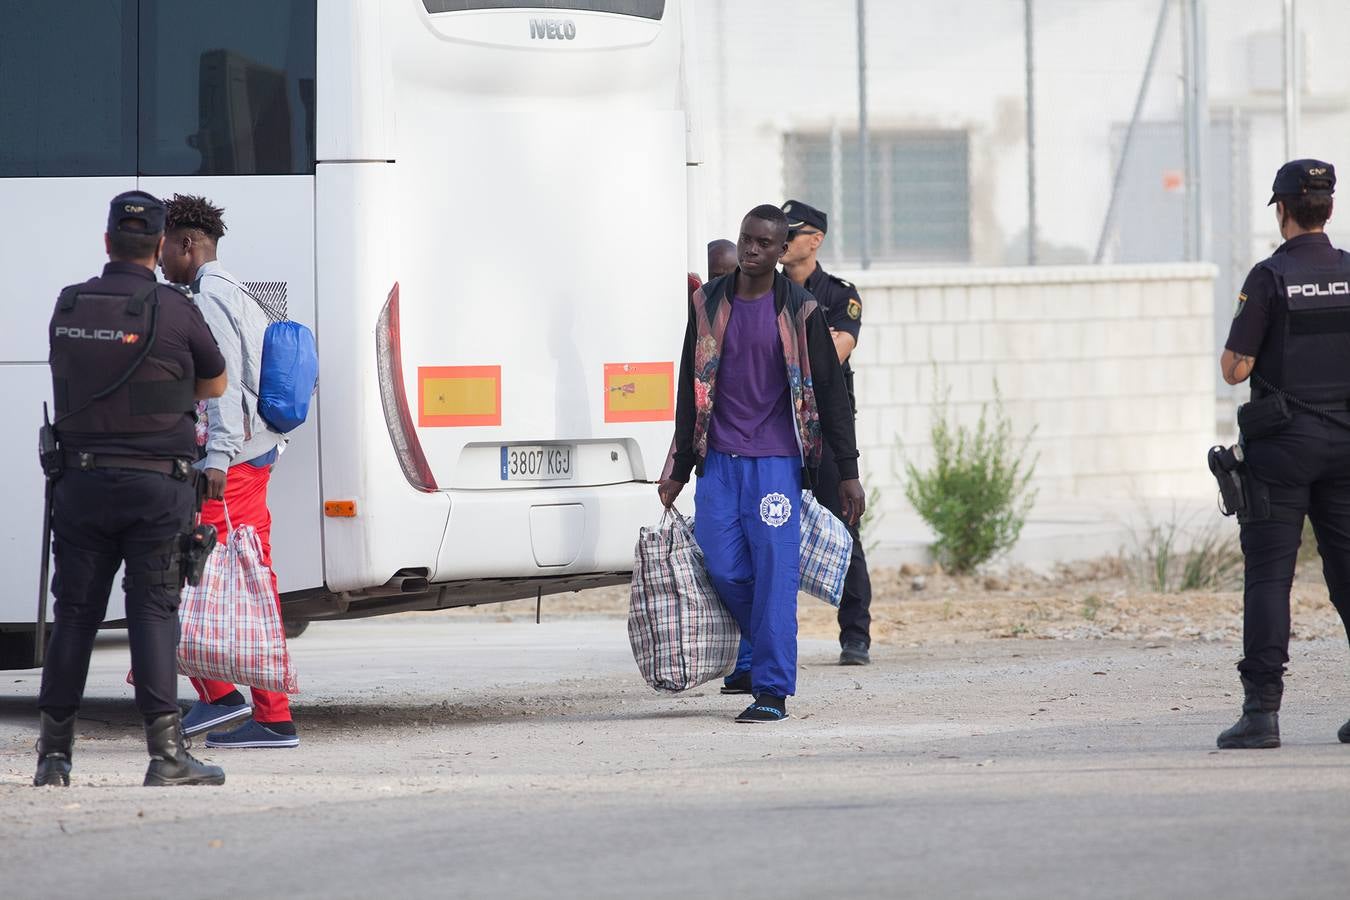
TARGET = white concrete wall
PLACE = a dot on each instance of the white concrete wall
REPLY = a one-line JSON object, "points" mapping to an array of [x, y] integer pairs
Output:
{"points": [[1112, 365]]}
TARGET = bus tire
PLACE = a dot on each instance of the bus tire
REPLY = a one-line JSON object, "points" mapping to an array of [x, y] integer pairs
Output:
{"points": [[16, 649], [295, 628]]}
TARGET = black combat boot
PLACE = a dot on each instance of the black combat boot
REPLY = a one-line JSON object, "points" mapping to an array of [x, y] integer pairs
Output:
{"points": [[170, 763], [1259, 727], [53, 749]]}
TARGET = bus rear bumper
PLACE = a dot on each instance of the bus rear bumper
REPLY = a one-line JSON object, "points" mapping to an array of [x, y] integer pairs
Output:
{"points": [[534, 532]]}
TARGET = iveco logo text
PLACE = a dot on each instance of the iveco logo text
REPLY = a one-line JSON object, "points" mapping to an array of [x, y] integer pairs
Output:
{"points": [[97, 334], [553, 29], [1335, 289]]}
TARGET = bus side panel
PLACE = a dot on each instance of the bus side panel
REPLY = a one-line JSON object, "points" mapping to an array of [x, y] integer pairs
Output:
{"points": [[37, 264], [35, 271], [270, 245], [395, 526], [25, 387]]}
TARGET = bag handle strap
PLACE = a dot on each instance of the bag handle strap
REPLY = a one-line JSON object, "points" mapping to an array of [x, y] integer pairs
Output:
{"points": [[674, 515]]}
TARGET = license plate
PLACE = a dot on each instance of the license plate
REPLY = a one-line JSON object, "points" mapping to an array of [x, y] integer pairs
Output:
{"points": [[537, 463]]}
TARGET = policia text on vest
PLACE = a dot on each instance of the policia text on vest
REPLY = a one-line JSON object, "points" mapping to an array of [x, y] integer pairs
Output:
{"points": [[129, 358], [1291, 337]]}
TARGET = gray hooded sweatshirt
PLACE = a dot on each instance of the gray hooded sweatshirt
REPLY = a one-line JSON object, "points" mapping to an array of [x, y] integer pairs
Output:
{"points": [[235, 432]]}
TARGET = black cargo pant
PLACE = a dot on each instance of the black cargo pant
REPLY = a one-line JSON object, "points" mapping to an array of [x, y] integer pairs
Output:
{"points": [[855, 618], [102, 518], [1303, 470]]}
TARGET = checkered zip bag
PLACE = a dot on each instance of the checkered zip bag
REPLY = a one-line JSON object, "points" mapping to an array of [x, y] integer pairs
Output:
{"points": [[826, 549], [231, 627], [682, 635]]}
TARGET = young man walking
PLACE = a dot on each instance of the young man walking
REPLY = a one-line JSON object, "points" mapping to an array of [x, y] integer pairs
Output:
{"points": [[239, 452], [760, 394]]}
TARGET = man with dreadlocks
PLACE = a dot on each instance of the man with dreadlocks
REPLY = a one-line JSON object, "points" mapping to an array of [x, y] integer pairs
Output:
{"points": [[238, 450]]}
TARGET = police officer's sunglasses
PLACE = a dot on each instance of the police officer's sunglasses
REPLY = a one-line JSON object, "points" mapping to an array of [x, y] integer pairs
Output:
{"points": [[794, 232]]}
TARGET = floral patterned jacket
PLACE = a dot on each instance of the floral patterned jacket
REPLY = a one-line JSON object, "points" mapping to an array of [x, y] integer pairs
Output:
{"points": [[815, 379]]}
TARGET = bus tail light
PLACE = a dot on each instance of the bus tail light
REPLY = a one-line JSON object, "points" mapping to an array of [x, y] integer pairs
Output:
{"points": [[394, 398]]}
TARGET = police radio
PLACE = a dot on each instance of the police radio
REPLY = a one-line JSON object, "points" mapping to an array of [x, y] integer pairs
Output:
{"points": [[49, 448]]}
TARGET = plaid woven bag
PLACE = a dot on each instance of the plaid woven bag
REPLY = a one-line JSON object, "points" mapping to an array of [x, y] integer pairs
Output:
{"points": [[231, 627], [826, 549], [682, 635]]}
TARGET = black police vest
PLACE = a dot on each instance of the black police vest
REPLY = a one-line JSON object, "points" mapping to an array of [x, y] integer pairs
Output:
{"points": [[1315, 365], [105, 377]]}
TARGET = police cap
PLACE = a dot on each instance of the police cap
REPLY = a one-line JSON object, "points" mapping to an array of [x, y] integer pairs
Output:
{"points": [[1304, 176], [803, 215], [136, 212]]}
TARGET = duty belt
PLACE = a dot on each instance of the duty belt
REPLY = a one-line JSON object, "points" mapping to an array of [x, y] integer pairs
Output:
{"points": [[86, 462]]}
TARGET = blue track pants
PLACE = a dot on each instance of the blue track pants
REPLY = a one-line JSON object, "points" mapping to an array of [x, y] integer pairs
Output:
{"points": [[747, 524]]}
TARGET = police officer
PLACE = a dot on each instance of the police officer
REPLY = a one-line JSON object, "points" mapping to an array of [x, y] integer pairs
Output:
{"points": [[129, 358], [1291, 336], [843, 313]]}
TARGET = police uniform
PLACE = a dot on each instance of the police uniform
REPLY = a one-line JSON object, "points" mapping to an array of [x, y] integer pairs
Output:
{"points": [[843, 312], [126, 353], [1293, 317]]}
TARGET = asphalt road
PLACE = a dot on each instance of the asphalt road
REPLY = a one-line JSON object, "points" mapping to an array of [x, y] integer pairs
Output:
{"points": [[448, 757]]}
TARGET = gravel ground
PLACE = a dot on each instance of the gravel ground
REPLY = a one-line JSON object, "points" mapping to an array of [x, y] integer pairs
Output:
{"points": [[474, 754]]}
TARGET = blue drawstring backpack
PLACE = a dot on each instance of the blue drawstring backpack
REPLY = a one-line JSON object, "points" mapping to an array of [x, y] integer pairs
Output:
{"points": [[290, 372], [290, 365]]}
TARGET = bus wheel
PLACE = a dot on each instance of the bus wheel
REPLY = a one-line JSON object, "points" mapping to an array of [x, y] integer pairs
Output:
{"points": [[295, 628], [16, 648]]}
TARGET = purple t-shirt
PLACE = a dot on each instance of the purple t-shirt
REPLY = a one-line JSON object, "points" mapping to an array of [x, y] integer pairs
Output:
{"points": [[752, 412]]}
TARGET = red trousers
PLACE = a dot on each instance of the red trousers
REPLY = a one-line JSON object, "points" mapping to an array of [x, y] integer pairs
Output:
{"points": [[246, 498]]}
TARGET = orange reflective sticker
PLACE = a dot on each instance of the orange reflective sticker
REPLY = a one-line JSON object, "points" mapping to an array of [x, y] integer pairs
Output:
{"points": [[459, 396], [639, 392], [339, 509]]}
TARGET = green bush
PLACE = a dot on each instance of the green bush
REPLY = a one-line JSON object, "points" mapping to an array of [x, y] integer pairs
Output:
{"points": [[975, 496]]}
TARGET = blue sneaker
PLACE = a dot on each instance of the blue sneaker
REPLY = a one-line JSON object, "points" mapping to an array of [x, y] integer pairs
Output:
{"points": [[251, 734], [204, 716]]}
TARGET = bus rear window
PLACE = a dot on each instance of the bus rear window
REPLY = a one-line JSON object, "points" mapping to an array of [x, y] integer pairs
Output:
{"points": [[643, 9]]}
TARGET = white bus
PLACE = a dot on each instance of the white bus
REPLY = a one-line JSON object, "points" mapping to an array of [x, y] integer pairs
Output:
{"points": [[480, 206]]}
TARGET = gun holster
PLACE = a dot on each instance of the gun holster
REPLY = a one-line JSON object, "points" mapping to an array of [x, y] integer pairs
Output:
{"points": [[195, 549], [187, 555], [1226, 464]]}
